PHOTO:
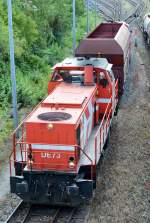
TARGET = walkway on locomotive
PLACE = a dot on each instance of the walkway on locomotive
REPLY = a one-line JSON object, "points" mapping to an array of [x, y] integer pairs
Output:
{"points": [[70, 96]]}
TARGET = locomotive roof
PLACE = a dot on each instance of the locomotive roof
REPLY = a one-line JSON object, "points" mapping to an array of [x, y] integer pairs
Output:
{"points": [[82, 61], [71, 99]]}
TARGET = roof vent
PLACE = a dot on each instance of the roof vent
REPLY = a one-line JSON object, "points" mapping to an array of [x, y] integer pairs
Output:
{"points": [[54, 116]]}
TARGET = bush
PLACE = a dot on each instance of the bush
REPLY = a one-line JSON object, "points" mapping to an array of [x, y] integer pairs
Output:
{"points": [[43, 37]]}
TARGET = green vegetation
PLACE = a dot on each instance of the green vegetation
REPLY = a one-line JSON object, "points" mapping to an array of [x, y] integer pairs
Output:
{"points": [[42, 35], [148, 5]]}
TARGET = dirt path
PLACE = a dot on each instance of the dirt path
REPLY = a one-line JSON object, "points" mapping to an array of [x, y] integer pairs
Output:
{"points": [[123, 190]]}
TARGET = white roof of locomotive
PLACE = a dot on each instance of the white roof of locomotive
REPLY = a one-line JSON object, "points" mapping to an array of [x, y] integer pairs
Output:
{"points": [[82, 61]]}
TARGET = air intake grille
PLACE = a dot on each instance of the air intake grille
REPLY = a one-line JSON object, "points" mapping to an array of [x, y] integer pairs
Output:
{"points": [[54, 116]]}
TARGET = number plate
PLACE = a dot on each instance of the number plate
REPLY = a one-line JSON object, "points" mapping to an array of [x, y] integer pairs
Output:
{"points": [[50, 155]]}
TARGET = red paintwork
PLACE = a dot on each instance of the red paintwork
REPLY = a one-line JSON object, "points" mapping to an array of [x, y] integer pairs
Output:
{"points": [[71, 99], [46, 162], [82, 103], [88, 78]]}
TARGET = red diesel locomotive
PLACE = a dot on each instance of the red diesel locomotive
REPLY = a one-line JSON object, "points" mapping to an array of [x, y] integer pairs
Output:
{"points": [[54, 160]]}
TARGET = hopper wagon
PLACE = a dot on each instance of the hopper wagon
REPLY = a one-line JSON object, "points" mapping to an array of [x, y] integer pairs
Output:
{"points": [[110, 41]]}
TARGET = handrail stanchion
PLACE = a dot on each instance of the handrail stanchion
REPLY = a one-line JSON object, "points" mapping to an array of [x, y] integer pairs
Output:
{"points": [[89, 159], [14, 146], [95, 144]]}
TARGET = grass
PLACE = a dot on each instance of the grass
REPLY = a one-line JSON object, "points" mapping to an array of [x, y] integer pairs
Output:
{"points": [[148, 5]]}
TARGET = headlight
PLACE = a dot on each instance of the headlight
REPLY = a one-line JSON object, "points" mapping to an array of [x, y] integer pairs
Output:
{"points": [[30, 162], [71, 162], [50, 126]]}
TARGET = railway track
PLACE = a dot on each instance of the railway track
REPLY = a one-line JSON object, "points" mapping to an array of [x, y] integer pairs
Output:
{"points": [[104, 8], [139, 9], [19, 214], [134, 2], [107, 5], [25, 213], [111, 10], [118, 10], [72, 215]]}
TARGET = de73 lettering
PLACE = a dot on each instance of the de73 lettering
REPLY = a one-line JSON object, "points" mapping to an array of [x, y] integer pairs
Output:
{"points": [[50, 155]]}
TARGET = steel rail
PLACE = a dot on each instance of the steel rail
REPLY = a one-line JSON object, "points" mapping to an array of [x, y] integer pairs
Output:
{"points": [[42, 214], [111, 10], [103, 8], [72, 215], [136, 13], [107, 5], [21, 211], [25, 213], [133, 2], [64, 215]]}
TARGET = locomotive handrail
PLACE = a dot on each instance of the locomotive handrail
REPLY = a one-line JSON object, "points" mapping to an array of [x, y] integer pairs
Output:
{"points": [[116, 88], [116, 92], [46, 169], [107, 117], [24, 150], [116, 83], [14, 143], [22, 122], [76, 146], [99, 130], [108, 104], [25, 160], [92, 164]]}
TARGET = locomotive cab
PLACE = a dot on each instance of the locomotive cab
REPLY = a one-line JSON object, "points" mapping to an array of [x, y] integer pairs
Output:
{"points": [[63, 138]]}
